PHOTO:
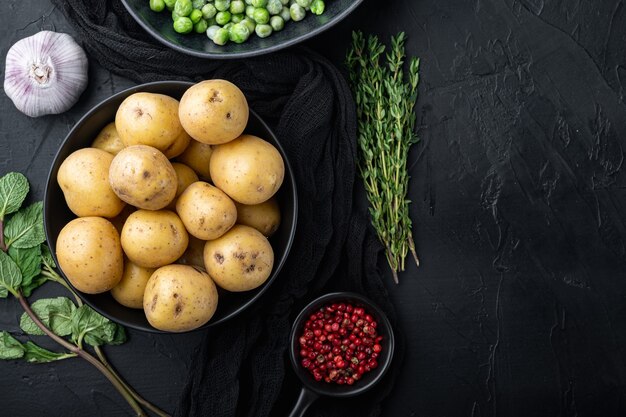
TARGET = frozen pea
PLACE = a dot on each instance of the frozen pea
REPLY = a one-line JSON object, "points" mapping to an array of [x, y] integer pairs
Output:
{"points": [[210, 32], [274, 6], [251, 24], [183, 25], [239, 33], [284, 2], [209, 11], [261, 16], [201, 26], [250, 11], [183, 7], [227, 26], [259, 3], [284, 13], [221, 36], [195, 16], [277, 23], [263, 31], [198, 4], [303, 3], [157, 5], [222, 18], [170, 4], [237, 6], [297, 12], [222, 5], [317, 7], [236, 18]]}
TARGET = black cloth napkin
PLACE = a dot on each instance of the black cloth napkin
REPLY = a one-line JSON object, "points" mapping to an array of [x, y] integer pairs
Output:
{"points": [[241, 368]]}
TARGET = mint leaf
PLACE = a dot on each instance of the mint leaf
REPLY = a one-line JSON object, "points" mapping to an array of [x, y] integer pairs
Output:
{"points": [[37, 354], [25, 228], [13, 190], [10, 347], [35, 283], [10, 275], [95, 329], [46, 256], [56, 313], [29, 262]]}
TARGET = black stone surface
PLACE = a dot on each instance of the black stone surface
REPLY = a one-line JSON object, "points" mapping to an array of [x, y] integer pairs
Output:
{"points": [[519, 307]]}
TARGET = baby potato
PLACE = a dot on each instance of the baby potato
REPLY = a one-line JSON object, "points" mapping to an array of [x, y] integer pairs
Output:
{"points": [[214, 111], [206, 211], [154, 238], [197, 156], [108, 140], [90, 254], [84, 179], [129, 291], [142, 176], [248, 169], [148, 119], [185, 177], [264, 217], [194, 255], [240, 260], [178, 146], [179, 298]]}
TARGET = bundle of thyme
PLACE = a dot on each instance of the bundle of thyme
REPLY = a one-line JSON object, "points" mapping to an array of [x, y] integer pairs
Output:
{"points": [[385, 104]]}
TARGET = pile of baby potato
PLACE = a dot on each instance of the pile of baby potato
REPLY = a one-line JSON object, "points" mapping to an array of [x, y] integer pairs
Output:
{"points": [[160, 234]]}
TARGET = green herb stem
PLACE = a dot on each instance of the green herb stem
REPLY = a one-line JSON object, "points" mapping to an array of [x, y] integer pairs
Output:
{"points": [[83, 354], [3, 246]]}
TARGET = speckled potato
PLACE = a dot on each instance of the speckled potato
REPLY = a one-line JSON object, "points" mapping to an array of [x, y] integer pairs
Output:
{"points": [[148, 119], [185, 177], [206, 211], [179, 298], [264, 217], [84, 179], [178, 146], [108, 140], [248, 169], [240, 260], [129, 291], [194, 255], [197, 156], [142, 176], [154, 238], [89, 253], [214, 111]]}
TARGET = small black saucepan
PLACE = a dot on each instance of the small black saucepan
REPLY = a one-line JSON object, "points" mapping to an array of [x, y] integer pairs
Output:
{"points": [[311, 388]]}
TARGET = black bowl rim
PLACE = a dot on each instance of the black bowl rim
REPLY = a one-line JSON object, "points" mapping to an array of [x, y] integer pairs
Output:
{"points": [[233, 55], [211, 323], [350, 391]]}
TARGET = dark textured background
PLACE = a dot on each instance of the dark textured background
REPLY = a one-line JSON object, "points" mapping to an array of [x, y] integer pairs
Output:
{"points": [[519, 308]]}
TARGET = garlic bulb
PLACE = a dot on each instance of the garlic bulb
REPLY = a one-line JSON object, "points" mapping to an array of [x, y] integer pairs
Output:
{"points": [[45, 73]]}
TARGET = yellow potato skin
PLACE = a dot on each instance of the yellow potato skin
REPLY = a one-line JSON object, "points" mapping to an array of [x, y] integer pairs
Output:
{"points": [[197, 156], [185, 177], [240, 260], [148, 119], [214, 111], [178, 146], [264, 217], [154, 238], [129, 291], [84, 179], [206, 211], [143, 177], [109, 140], [179, 298], [194, 255], [89, 253], [248, 169]]}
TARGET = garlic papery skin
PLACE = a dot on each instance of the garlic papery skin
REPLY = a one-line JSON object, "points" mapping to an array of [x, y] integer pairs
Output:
{"points": [[45, 73]]}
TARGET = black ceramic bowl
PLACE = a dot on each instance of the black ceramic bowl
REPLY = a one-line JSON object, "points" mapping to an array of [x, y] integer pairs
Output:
{"points": [[159, 25], [312, 388], [57, 214]]}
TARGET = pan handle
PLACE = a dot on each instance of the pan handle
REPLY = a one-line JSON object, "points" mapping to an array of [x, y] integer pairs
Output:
{"points": [[305, 399]]}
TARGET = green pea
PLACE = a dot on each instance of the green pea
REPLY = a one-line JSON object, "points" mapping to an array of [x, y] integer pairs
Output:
{"points": [[222, 18], [259, 3], [175, 15], [297, 12], [201, 26], [209, 11], [198, 4], [277, 23], [250, 11], [317, 7], [228, 25], [221, 36], [284, 2], [239, 33], [157, 5], [236, 18], [248, 2], [263, 31], [284, 13], [237, 6], [183, 25], [251, 24], [210, 32], [195, 16], [261, 16], [183, 7], [274, 7], [303, 3], [222, 5], [169, 4]]}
